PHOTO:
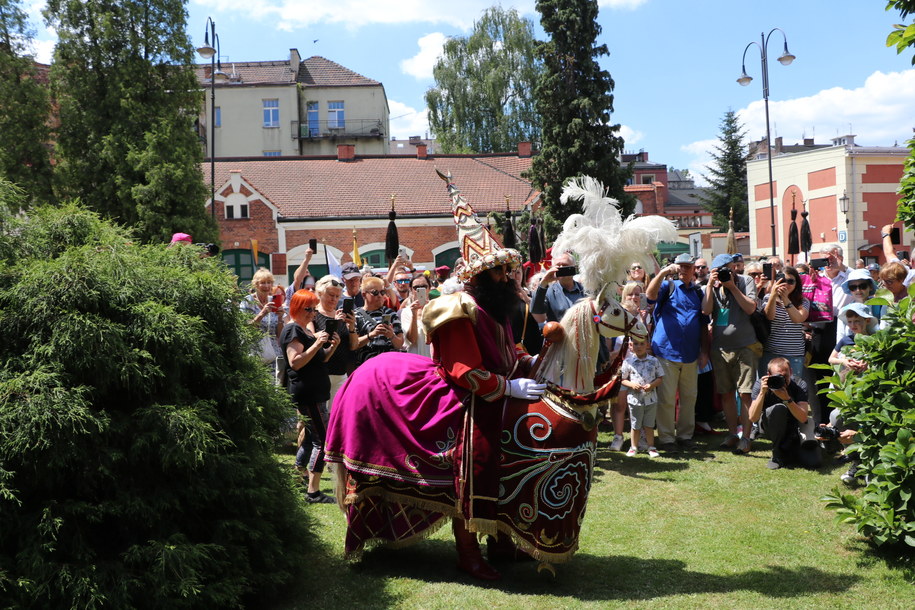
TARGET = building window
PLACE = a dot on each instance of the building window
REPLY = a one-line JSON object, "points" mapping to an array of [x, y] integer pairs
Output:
{"points": [[335, 118], [218, 121], [240, 262], [237, 206], [271, 153], [271, 113], [647, 178], [313, 119]]}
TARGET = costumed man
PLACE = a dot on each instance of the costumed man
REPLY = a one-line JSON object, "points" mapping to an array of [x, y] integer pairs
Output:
{"points": [[449, 465]]}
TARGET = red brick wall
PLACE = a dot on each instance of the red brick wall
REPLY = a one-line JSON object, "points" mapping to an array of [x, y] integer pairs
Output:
{"points": [[259, 226], [419, 239]]}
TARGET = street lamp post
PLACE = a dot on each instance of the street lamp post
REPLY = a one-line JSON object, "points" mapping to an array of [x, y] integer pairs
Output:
{"points": [[843, 201], [216, 73], [785, 58]]}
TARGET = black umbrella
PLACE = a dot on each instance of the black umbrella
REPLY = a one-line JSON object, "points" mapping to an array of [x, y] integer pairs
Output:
{"points": [[534, 243], [508, 230], [806, 236], [391, 240], [793, 247]]}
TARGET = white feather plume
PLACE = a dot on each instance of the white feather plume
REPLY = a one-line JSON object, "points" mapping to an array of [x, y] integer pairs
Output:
{"points": [[605, 244]]}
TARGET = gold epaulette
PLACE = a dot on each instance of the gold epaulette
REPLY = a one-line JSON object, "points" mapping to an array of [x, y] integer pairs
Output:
{"points": [[447, 308]]}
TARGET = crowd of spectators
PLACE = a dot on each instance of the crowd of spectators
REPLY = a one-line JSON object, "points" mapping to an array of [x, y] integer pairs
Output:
{"points": [[730, 342]]}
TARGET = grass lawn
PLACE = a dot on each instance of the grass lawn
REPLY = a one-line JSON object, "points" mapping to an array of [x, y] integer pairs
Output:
{"points": [[703, 529]]}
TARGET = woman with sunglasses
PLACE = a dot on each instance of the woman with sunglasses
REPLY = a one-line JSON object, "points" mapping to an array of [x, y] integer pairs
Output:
{"points": [[787, 309], [860, 286], [329, 290], [307, 352], [378, 326]]}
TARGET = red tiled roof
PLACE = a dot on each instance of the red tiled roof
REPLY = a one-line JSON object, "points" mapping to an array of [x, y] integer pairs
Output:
{"points": [[249, 73], [320, 186], [319, 72]]}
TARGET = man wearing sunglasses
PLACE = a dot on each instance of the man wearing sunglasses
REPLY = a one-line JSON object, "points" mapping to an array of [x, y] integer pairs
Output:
{"points": [[377, 326], [701, 268]]}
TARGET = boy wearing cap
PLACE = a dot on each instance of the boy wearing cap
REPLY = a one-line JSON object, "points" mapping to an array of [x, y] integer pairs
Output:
{"points": [[730, 300], [681, 346]]}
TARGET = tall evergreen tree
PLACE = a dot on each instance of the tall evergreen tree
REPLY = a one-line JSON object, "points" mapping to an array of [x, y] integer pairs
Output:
{"points": [[24, 109], [727, 177], [574, 100], [128, 99], [484, 83]]}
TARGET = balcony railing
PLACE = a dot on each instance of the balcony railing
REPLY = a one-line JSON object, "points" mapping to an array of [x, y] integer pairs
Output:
{"points": [[350, 128]]}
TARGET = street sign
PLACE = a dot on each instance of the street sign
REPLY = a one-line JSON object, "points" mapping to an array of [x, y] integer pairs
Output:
{"points": [[843, 236]]}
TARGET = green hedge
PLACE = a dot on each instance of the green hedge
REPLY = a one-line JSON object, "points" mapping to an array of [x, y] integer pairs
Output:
{"points": [[136, 465], [880, 405]]}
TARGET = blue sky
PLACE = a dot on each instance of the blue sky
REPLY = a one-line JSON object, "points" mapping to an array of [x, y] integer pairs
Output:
{"points": [[674, 62]]}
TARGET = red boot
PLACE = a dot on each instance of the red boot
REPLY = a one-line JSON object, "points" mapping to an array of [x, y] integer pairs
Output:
{"points": [[470, 559]]}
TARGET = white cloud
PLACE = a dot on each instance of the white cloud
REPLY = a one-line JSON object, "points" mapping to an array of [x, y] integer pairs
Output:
{"points": [[430, 48], [880, 113], [407, 121], [630, 135], [291, 15], [44, 50]]}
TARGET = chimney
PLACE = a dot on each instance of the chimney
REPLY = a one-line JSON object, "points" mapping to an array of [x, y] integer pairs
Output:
{"points": [[346, 152], [294, 60], [808, 141], [778, 145], [524, 149], [421, 151], [643, 156]]}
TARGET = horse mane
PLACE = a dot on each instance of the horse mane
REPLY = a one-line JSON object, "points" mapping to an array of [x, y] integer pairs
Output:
{"points": [[572, 363]]}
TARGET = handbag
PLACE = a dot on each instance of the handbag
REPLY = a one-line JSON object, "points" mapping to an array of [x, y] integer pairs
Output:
{"points": [[266, 350], [818, 290], [762, 326]]}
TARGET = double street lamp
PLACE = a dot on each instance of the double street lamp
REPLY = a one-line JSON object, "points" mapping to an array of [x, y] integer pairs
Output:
{"points": [[785, 58], [216, 74]]}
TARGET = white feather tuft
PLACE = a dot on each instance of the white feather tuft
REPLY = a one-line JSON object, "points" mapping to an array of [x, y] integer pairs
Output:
{"points": [[604, 244]]}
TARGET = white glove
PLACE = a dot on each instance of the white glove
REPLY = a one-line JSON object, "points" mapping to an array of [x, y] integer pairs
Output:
{"points": [[525, 389]]}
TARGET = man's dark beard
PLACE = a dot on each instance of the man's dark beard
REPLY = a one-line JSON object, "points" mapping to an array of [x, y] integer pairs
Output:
{"points": [[498, 299]]}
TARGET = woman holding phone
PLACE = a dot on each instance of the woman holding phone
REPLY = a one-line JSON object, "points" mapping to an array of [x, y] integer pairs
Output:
{"points": [[306, 352], [332, 320], [411, 318], [267, 314], [378, 326]]}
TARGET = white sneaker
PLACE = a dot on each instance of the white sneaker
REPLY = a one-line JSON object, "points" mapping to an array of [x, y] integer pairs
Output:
{"points": [[653, 453], [632, 451], [617, 443]]}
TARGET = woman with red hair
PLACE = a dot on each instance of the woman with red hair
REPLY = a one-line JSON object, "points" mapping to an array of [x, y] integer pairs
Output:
{"points": [[306, 353]]}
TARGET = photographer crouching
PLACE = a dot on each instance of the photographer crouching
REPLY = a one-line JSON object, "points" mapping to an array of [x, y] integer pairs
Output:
{"points": [[779, 404]]}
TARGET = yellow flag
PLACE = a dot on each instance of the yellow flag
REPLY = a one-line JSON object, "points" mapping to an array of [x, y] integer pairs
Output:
{"points": [[254, 254], [356, 258]]}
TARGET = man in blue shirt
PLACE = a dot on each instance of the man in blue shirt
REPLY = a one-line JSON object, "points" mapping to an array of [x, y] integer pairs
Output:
{"points": [[556, 293], [680, 343]]}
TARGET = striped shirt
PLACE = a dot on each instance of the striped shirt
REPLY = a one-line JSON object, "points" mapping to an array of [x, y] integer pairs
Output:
{"points": [[787, 337]]}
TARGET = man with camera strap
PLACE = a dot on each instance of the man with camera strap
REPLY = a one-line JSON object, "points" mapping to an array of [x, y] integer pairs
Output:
{"points": [[779, 404]]}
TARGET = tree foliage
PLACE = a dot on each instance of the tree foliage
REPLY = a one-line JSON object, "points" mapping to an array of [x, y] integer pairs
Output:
{"points": [[574, 100], [24, 109], [128, 100], [136, 464], [880, 405], [483, 96], [727, 177]]}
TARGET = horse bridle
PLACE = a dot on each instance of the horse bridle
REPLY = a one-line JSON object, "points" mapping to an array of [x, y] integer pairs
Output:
{"points": [[599, 319]]}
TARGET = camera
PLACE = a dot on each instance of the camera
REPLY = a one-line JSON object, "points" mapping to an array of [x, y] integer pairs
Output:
{"points": [[902, 255], [212, 249], [819, 263], [826, 433], [566, 271], [724, 274], [776, 382], [779, 277]]}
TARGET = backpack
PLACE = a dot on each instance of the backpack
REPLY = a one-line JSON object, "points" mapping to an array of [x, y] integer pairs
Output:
{"points": [[818, 290]]}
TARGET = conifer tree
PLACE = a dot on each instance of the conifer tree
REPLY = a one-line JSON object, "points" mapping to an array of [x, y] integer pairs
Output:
{"points": [[574, 100], [484, 84], [727, 177], [128, 100], [24, 109], [136, 464]]}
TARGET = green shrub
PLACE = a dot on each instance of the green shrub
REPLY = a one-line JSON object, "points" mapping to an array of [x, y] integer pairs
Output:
{"points": [[136, 465], [880, 405]]}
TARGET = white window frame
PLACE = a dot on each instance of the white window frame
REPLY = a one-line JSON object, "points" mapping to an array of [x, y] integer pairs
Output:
{"points": [[271, 111], [336, 115]]}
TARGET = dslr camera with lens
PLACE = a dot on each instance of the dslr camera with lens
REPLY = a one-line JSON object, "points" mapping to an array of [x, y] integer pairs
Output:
{"points": [[776, 382], [212, 249], [724, 274]]}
